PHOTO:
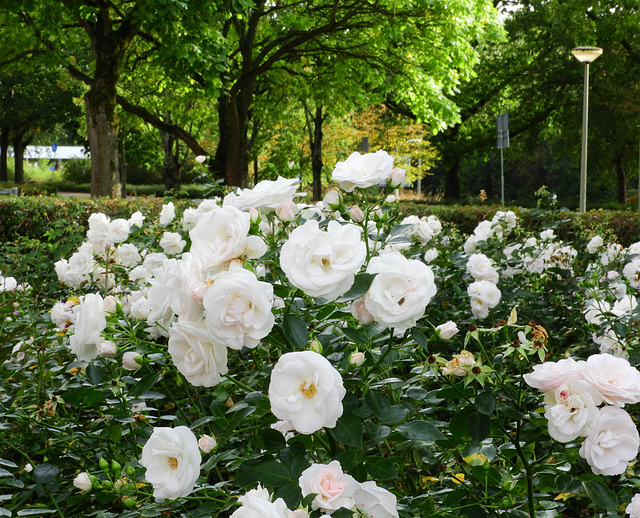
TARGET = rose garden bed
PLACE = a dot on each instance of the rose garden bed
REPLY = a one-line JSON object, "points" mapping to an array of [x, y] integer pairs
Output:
{"points": [[252, 356]]}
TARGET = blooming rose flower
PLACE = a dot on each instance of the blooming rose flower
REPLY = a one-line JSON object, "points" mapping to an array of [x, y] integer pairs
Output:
{"points": [[118, 230], [90, 322], [257, 504], [548, 376], [161, 295], [8, 283], [62, 314], [447, 330], [167, 214], [172, 458], [98, 233], [573, 410], [430, 255], [363, 170], [333, 488], [136, 219], [632, 272], [484, 296], [374, 501], [423, 229], [633, 509], [201, 159], [306, 390], [82, 481], [323, 263], [196, 355], [596, 310], [612, 443], [481, 268], [266, 196], [129, 361], [221, 235], [611, 344], [614, 378], [238, 309], [595, 243], [172, 243], [401, 290]]}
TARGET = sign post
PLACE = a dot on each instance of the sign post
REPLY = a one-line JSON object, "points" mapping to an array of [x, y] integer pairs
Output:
{"points": [[502, 124]]}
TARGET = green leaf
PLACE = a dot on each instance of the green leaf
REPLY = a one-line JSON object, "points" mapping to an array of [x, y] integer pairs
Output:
{"points": [[479, 426], [357, 337], [34, 511], [420, 338], [94, 373], [360, 286], [485, 402], [295, 332], [45, 473], [420, 431], [396, 414], [600, 494], [380, 468], [145, 384], [348, 431], [272, 474]]}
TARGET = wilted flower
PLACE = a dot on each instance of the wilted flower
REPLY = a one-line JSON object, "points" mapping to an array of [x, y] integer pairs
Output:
{"points": [[453, 367]]}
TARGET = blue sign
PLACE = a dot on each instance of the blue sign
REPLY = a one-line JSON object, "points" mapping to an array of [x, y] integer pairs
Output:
{"points": [[54, 147], [52, 167]]}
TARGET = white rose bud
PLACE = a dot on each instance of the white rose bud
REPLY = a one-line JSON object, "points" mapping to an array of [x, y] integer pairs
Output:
{"points": [[356, 359], [332, 200], [397, 178], [201, 159], [254, 215], [110, 304], [28, 467], [82, 481], [129, 361], [207, 443], [356, 213], [430, 255], [390, 199], [287, 211], [107, 349], [447, 330]]}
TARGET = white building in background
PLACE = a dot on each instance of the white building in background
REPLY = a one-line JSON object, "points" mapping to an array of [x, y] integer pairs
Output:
{"points": [[47, 152]]}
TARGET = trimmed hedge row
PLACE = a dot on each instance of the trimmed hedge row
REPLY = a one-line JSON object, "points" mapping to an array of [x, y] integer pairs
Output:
{"points": [[34, 217]]}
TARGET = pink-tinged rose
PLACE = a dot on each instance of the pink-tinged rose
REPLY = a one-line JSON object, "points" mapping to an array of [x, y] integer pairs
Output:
{"points": [[633, 509], [129, 360], [110, 304], [356, 214], [306, 390], [548, 376], [82, 481], [333, 488], [172, 460], [397, 178], [391, 198], [612, 442], [572, 410], [207, 443], [107, 349], [287, 211], [447, 330], [357, 359], [375, 502], [616, 380], [360, 312]]}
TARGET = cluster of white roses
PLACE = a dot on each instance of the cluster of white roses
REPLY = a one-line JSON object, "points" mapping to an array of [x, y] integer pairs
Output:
{"points": [[333, 490], [574, 391]]}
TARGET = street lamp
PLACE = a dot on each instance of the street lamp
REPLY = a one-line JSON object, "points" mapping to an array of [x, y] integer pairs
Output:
{"points": [[585, 55]]}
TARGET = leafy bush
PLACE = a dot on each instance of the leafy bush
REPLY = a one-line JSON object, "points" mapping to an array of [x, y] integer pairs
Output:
{"points": [[77, 170]]}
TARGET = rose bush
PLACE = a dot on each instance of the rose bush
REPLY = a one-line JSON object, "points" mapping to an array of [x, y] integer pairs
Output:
{"points": [[339, 358]]}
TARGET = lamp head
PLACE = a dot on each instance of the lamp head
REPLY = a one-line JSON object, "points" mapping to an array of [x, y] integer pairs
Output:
{"points": [[586, 54]]}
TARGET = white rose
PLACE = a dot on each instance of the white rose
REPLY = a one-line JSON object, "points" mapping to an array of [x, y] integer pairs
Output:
{"points": [[573, 411], [81, 263], [633, 509], [447, 330], [161, 295], [107, 349], [632, 272], [183, 280], [140, 274], [194, 353], [331, 200], [430, 255], [610, 343], [595, 243], [357, 359], [98, 233], [154, 260], [484, 295], [374, 501], [363, 170], [287, 211], [167, 214], [62, 314], [548, 376], [128, 255], [547, 235], [356, 214], [323, 263], [82, 481], [257, 504], [90, 322], [481, 268], [136, 219], [238, 309], [118, 230], [172, 243], [612, 442], [400, 292], [360, 312], [596, 310], [306, 390], [266, 196], [397, 178], [614, 378], [172, 459], [624, 306], [207, 443], [333, 488], [221, 235], [8, 283], [129, 360]]}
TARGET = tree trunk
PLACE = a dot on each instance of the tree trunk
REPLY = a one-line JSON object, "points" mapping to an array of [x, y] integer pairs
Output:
{"points": [[170, 162], [18, 156], [4, 147], [123, 168], [316, 154], [621, 177], [452, 179]]}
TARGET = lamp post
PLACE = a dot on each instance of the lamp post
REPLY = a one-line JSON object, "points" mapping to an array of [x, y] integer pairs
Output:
{"points": [[585, 55]]}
